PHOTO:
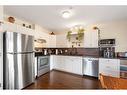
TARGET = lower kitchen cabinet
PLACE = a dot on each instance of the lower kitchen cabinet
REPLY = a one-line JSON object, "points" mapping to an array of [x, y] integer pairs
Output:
{"points": [[68, 63], [109, 67], [55, 62]]}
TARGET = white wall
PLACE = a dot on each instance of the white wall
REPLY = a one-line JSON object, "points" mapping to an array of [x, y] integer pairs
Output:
{"points": [[117, 30], [111, 29]]}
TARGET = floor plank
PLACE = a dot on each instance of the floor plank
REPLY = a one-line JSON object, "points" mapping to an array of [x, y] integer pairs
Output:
{"points": [[61, 80]]}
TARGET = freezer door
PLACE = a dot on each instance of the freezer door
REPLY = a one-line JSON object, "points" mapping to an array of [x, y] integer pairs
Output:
{"points": [[17, 42], [19, 69], [25, 43], [10, 41]]}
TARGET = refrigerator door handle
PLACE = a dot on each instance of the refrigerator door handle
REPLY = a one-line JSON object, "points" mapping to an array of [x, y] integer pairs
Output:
{"points": [[20, 52], [11, 53], [24, 52]]}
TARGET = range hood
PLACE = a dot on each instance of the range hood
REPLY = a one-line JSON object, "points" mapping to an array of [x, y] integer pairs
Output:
{"points": [[40, 40]]}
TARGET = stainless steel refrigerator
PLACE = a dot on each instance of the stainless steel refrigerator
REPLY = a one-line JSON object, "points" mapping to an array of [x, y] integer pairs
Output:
{"points": [[18, 60], [1, 60]]}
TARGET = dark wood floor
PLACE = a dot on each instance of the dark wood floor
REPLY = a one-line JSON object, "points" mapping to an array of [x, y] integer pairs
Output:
{"points": [[62, 80]]}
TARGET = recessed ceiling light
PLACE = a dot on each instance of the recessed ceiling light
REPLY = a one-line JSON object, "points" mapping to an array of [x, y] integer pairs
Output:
{"points": [[66, 14]]}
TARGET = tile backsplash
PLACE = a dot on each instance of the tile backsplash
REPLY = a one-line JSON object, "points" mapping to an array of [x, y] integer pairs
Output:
{"points": [[70, 51]]}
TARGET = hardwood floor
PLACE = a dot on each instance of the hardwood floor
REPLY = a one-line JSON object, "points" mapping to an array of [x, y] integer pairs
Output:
{"points": [[61, 80]]}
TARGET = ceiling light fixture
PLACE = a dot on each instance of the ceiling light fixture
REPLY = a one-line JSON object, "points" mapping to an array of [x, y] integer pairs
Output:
{"points": [[66, 14]]}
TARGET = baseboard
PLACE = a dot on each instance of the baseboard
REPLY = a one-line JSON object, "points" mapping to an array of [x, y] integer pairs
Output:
{"points": [[66, 72]]}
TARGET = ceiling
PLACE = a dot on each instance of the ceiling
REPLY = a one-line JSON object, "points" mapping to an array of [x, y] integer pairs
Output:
{"points": [[50, 16]]}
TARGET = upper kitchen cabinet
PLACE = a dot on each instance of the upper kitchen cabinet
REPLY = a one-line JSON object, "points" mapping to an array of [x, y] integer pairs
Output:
{"points": [[7, 26], [91, 39], [52, 41], [1, 13], [61, 41], [41, 35]]}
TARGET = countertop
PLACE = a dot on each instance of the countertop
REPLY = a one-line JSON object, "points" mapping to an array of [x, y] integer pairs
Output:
{"points": [[121, 58], [41, 54]]}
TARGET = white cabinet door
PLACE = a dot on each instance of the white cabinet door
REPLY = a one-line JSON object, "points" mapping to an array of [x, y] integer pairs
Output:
{"points": [[67, 60], [42, 35], [1, 60], [87, 40], [61, 41], [91, 39], [7, 26], [68, 63], [57, 62], [94, 39], [110, 67], [52, 58], [52, 41], [1, 13], [77, 65]]}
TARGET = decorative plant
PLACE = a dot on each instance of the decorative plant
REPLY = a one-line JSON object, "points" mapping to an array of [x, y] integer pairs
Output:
{"points": [[69, 35], [79, 37], [80, 34]]}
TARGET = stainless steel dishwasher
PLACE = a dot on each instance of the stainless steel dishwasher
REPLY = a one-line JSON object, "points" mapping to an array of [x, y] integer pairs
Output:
{"points": [[90, 66]]}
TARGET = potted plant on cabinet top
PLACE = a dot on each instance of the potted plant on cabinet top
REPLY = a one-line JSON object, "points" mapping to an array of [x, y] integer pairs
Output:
{"points": [[69, 35], [79, 37]]}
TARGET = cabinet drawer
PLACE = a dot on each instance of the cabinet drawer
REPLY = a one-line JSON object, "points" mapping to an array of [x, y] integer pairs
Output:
{"points": [[109, 61], [109, 66], [110, 72]]}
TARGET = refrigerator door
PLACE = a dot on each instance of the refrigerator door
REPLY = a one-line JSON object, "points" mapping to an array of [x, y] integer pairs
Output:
{"points": [[19, 70], [17, 43], [10, 42], [26, 69], [9, 72], [18, 58], [24, 43]]}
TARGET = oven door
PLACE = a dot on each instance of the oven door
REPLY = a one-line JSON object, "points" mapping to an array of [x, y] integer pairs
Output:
{"points": [[43, 62]]}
